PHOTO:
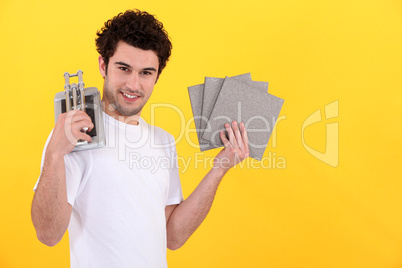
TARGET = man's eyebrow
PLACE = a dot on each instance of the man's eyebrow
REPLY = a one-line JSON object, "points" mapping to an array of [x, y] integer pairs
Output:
{"points": [[129, 66], [122, 63], [149, 69]]}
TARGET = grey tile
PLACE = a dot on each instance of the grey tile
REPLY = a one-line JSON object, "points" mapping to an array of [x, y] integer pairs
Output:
{"points": [[196, 97], [244, 103], [212, 86]]}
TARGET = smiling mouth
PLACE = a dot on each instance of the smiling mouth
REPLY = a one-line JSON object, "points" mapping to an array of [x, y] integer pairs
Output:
{"points": [[130, 96]]}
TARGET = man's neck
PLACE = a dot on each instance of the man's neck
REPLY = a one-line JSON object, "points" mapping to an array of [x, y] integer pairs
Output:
{"points": [[130, 120]]}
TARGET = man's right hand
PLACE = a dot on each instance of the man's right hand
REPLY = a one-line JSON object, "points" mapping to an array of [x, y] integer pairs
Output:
{"points": [[68, 131]]}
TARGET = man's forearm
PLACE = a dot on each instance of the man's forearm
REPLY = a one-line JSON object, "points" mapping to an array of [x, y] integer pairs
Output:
{"points": [[187, 216], [50, 209]]}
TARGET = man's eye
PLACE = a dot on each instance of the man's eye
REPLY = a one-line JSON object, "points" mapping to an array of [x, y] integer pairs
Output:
{"points": [[123, 69], [146, 73]]}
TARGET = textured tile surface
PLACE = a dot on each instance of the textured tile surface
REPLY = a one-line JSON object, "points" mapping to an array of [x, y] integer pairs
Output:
{"points": [[244, 103], [196, 97], [212, 86]]}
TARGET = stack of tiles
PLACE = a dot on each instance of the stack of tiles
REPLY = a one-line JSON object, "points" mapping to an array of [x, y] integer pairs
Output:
{"points": [[238, 98]]}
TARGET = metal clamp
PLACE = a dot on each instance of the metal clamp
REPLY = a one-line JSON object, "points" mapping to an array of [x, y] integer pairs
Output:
{"points": [[77, 92], [78, 95]]}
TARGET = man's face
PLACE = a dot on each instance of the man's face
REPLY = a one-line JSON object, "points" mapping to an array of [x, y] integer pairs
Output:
{"points": [[130, 79]]}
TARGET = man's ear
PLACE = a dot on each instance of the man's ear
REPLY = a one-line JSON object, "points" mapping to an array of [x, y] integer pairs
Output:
{"points": [[102, 66]]}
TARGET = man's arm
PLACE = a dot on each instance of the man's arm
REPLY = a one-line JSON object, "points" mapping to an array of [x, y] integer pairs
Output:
{"points": [[184, 219], [50, 210]]}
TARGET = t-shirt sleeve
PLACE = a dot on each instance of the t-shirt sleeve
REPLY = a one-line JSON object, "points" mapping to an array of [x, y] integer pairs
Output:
{"points": [[175, 194], [74, 172]]}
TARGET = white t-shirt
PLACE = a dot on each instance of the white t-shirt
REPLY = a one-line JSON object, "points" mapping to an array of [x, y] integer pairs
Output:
{"points": [[119, 194]]}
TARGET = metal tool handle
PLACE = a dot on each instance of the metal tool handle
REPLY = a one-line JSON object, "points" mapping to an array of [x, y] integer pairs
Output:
{"points": [[74, 90]]}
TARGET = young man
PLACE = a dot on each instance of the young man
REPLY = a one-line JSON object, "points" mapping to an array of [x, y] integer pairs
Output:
{"points": [[120, 214]]}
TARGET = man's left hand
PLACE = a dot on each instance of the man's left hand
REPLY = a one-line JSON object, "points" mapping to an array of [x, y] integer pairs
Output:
{"points": [[236, 147]]}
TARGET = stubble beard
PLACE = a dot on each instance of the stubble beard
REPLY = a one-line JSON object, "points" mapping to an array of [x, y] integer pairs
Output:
{"points": [[112, 97]]}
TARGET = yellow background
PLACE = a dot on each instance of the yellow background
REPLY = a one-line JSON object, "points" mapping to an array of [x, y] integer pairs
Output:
{"points": [[307, 215]]}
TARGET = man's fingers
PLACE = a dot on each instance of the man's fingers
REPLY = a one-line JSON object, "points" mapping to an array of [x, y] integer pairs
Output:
{"points": [[244, 139], [81, 118], [225, 141], [84, 136], [76, 122], [237, 138], [236, 131], [78, 134], [77, 115], [87, 126], [82, 125], [231, 135]]}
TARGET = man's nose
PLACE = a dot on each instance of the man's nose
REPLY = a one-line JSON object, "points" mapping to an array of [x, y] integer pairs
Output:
{"points": [[133, 81]]}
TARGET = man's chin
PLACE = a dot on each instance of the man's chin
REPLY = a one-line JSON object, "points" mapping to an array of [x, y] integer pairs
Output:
{"points": [[121, 111], [128, 113]]}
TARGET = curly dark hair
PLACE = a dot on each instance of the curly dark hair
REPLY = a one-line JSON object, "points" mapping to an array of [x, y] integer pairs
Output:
{"points": [[136, 28]]}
